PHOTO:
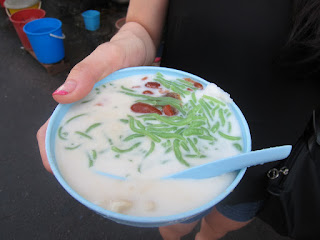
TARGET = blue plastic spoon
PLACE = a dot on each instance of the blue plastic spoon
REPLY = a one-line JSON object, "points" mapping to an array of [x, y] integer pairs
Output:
{"points": [[229, 164]]}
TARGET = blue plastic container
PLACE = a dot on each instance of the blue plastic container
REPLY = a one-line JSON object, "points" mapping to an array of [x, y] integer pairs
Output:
{"points": [[91, 19], [62, 109], [46, 38]]}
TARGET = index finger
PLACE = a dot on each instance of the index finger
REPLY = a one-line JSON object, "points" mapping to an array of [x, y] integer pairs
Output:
{"points": [[41, 136]]}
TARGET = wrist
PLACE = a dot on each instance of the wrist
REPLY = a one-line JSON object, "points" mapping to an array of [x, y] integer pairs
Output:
{"points": [[138, 46]]}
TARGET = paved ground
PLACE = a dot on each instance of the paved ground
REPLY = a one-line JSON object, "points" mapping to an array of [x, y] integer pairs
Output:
{"points": [[32, 203]]}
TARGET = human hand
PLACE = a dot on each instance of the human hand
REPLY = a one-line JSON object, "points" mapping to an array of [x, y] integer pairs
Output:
{"points": [[131, 46]]}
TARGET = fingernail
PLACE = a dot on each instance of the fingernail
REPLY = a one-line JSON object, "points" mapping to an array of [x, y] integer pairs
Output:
{"points": [[66, 88]]}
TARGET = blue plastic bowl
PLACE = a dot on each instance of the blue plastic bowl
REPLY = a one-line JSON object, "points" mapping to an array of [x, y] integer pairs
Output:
{"points": [[62, 109]]}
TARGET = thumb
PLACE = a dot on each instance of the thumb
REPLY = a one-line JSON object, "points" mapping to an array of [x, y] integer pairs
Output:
{"points": [[81, 79]]}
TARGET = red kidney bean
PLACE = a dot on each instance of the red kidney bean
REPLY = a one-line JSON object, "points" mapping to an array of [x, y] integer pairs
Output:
{"points": [[189, 80], [144, 78], [173, 95], [152, 85], [147, 92], [198, 85], [144, 108], [169, 110]]}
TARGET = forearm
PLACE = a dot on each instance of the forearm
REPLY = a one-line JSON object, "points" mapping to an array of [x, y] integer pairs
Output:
{"points": [[150, 14], [142, 33], [136, 42]]}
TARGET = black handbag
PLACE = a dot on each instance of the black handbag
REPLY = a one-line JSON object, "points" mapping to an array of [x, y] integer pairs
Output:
{"points": [[293, 205]]}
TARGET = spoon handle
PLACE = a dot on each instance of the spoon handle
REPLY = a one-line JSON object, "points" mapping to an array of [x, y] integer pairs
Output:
{"points": [[233, 163]]}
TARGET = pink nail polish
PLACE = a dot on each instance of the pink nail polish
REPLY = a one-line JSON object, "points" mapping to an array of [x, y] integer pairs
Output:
{"points": [[66, 88], [60, 92]]}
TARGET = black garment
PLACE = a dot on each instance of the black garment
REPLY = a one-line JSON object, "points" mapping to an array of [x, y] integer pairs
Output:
{"points": [[292, 208], [235, 44]]}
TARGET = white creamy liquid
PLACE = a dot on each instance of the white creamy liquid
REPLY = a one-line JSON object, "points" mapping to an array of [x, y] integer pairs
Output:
{"points": [[92, 129]]}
